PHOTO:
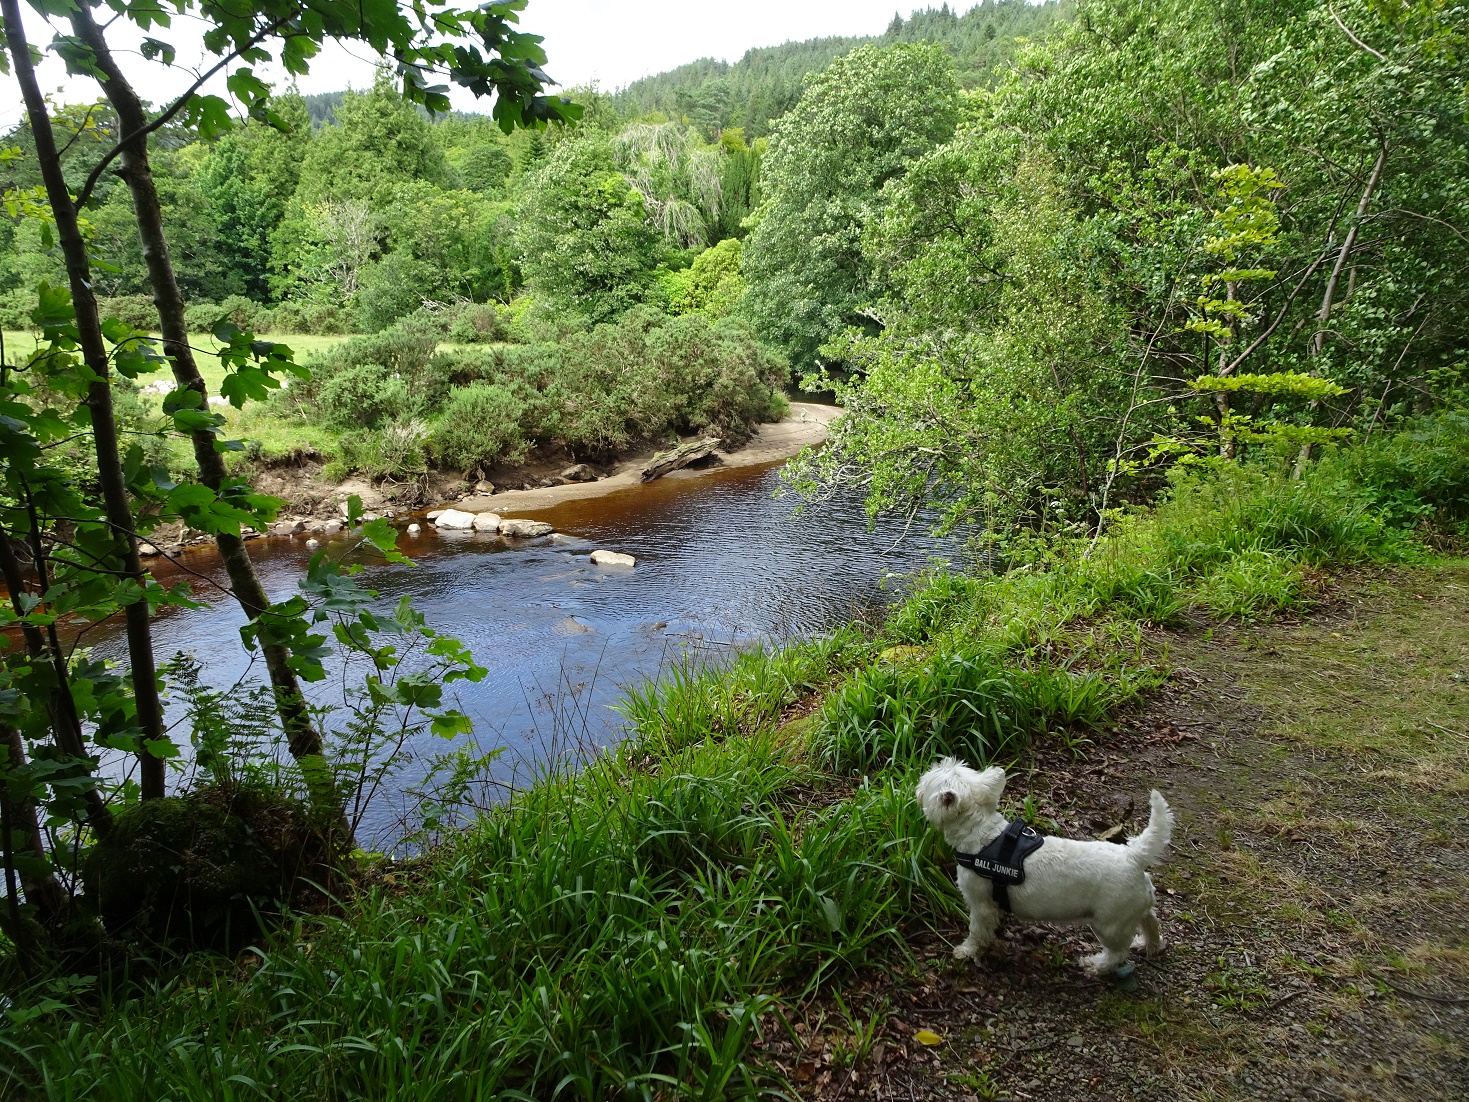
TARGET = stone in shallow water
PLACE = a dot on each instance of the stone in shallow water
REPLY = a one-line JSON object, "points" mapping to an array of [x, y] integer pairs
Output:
{"points": [[570, 625], [454, 518], [612, 558], [525, 529], [487, 522]]}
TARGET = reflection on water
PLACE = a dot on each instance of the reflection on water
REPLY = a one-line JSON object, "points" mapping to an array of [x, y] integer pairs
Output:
{"points": [[720, 561]]}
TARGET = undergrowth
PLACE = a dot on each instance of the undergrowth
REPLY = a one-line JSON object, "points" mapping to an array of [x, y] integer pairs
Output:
{"points": [[626, 931]]}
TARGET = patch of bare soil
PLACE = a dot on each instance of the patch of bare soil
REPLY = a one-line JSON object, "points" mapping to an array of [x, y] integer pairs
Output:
{"points": [[1316, 900]]}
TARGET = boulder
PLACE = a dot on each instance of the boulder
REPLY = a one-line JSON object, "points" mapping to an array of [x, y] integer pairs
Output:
{"points": [[580, 473], [414, 529], [455, 519], [147, 550], [484, 486], [288, 528], [525, 529], [331, 528], [612, 558], [434, 515], [487, 522], [313, 544]]}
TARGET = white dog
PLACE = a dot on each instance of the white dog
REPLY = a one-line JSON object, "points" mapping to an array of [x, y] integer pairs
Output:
{"points": [[1100, 883]]}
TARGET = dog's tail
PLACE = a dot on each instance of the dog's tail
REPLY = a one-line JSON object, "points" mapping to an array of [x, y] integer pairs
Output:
{"points": [[1148, 847]]}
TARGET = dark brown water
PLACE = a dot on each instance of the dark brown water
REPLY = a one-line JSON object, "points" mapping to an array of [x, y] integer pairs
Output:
{"points": [[720, 561]]}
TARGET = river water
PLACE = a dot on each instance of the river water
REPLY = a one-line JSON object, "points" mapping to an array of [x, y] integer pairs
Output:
{"points": [[721, 563]]}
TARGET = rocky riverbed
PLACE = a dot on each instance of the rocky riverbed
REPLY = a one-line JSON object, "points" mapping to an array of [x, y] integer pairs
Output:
{"points": [[318, 509]]}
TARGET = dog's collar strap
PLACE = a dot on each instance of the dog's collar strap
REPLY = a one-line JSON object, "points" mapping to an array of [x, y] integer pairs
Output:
{"points": [[1002, 862]]}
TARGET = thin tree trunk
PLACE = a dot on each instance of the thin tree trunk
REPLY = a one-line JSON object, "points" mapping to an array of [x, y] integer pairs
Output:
{"points": [[99, 397], [1323, 316], [1221, 397], [41, 890], [304, 739], [65, 724]]}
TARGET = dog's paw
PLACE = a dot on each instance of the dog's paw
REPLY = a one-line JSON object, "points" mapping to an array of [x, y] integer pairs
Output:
{"points": [[1101, 964], [1147, 948], [966, 951]]}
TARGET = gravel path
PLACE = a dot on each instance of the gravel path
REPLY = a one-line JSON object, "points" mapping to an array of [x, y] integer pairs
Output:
{"points": [[1317, 899]]}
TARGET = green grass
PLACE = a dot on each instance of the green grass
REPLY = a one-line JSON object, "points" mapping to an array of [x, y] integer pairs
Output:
{"points": [[304, 345], [628, 930]]}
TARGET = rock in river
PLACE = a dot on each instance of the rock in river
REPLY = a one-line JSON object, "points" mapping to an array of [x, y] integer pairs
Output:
{"points": [[454, 518], [612, 558], [487, 522], [524, 529]]}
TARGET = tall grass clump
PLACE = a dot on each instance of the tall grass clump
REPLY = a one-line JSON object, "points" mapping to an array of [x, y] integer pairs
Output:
{"points": [[966, 705], [614, 936], [694, 701]]}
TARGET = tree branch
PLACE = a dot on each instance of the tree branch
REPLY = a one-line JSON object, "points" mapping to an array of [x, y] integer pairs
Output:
{"points": [[178, 105], [1348, 32]]}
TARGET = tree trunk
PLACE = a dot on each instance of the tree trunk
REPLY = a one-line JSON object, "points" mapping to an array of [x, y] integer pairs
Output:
{"points": [[66, 727], [1323, 316], [99, 397], [23, 833], [305, 741], [680, 457]]}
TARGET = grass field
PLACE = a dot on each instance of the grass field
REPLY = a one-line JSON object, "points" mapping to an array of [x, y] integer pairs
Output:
{"points": [[306, 346]]}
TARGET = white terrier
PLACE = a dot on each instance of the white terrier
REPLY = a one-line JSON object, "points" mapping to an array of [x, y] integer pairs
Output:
{"points": [[1100, 883]]}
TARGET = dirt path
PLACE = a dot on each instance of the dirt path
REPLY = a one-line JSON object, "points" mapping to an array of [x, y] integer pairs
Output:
{"points": [[1317, 901]]}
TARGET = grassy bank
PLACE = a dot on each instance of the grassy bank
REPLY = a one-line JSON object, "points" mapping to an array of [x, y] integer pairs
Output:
{"points": [[635, 928]]}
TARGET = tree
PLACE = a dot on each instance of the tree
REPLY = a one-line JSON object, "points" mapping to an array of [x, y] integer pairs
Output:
{"points": [[481, 51], [1252, 224], [586, 244], [858, 126]]}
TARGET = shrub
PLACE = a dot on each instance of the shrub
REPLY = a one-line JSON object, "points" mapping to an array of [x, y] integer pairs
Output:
{"points": [[246, 313], [649, 376], [202, 868], [363, 396], [478, 323], [480, 426], [391, 289], [15, 308], [201, 317], [1418, 475], [310, 317], [135, 310]]}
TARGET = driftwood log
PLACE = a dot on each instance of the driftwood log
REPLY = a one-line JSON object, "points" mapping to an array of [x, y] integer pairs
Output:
{"points": [[680, 457]]}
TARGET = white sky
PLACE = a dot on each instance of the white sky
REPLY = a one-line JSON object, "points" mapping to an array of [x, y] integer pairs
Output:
{"points": [[612, 42]]}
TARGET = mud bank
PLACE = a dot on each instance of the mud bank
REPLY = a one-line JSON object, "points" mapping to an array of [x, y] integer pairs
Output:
{"points": [[316, 506]]}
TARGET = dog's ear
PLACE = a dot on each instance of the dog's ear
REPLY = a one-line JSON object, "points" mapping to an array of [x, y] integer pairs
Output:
{"points": [[992, 783]]}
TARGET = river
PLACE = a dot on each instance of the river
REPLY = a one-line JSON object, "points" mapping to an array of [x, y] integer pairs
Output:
{"points": [[721, 563]]}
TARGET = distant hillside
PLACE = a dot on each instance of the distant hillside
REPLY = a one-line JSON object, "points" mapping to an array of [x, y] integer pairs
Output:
{"points": [[766, 82]]}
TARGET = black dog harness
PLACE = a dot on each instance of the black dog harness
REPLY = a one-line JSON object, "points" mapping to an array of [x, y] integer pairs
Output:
{"points": [[1002, 862]]}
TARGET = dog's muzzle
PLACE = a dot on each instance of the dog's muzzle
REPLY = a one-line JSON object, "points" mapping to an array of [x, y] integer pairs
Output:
{"points": [[1002, 862]]}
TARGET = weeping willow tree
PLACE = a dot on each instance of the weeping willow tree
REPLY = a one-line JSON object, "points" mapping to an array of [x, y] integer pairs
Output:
{"points": [[678, 178]]}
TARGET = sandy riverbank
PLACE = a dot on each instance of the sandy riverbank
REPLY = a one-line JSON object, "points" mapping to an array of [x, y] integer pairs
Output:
{"points": [[805, 425]]}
